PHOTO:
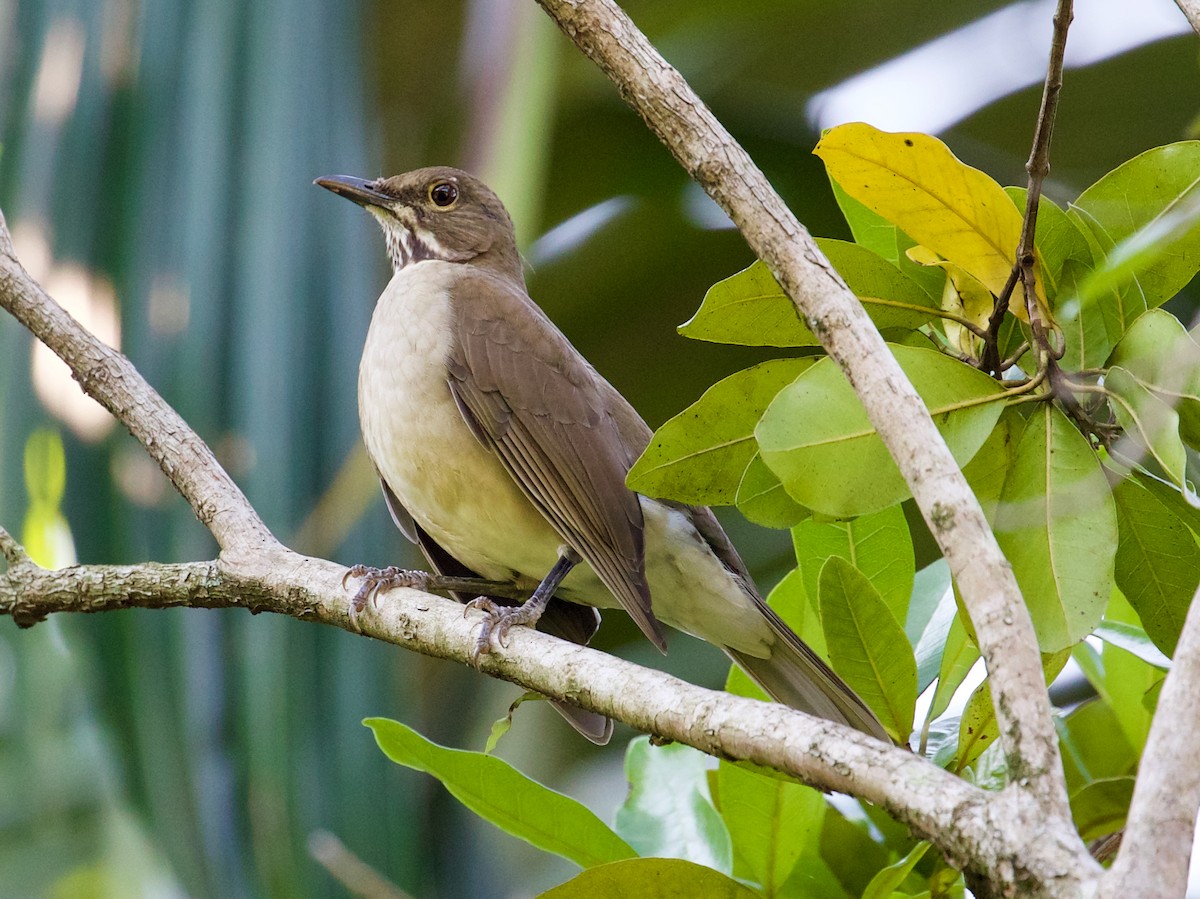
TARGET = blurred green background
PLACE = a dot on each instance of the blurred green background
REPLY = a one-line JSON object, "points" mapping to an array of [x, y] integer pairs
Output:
{"points": [[156, 170]]}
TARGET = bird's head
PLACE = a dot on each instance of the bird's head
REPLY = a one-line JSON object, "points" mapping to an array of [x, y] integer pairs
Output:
{"points": [[435, 213]]}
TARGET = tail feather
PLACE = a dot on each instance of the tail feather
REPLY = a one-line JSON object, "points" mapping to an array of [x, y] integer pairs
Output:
{"points": [[796, 676]]}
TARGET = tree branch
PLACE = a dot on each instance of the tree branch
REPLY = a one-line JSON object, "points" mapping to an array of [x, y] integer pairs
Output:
{"points": [[110, 379], [934, 803], [1191, 9], [715, 160], [1161, 823]]}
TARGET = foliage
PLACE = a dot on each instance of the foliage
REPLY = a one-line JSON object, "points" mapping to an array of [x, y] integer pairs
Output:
{"points": [[1084, 476]]}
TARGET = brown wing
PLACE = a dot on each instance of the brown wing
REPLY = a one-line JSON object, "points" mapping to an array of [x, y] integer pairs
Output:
{"points": [[532, 399]]}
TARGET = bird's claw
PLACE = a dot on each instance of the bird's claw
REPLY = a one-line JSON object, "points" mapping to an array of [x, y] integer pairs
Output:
{"points": [[497, 621], [376, 580]]}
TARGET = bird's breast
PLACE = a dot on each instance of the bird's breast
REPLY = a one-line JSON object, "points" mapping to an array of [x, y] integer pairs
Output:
{"points": [[453, 486]]}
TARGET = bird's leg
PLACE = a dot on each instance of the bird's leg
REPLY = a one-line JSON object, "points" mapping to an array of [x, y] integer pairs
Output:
{"points": [[498, 619], [376, 580]]}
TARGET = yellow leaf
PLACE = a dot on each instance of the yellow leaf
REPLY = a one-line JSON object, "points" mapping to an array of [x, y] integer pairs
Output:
{"points": [[963, 295], [917, 184]]}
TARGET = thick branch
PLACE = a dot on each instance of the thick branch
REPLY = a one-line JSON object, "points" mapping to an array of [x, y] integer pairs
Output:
{"points": [[710, 155], [110, 379], [936, 804], [1162, 816]]}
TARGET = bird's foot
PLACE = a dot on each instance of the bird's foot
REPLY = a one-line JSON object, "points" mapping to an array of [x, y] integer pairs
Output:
{"points": [[379, 579], [498, 619]]}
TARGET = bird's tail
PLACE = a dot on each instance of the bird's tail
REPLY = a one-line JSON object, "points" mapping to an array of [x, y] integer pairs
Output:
{"points": [[796, 676]]}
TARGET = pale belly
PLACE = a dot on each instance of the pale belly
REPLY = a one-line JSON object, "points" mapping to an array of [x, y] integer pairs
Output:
{"points": [[459, 492], [453, 486]]}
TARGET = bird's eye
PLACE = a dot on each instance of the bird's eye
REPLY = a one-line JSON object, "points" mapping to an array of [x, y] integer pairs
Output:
{"points": [[443, 194]]}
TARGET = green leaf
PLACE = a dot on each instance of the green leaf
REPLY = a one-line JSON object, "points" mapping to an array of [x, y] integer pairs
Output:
{"points": [[877, 234], [501, 726], [987, 471], [1147, 421], [762, 499], [751, 309], [1157, 562], [668, 813], [1185, 505], [772, 822], [699, 456], [1094, 746], [497, 792], [849, 850], [1100, 807], [1133, 640], [878, 545], [929, 645], [1057, 525], [958, 658], [1148, 211], [1127, 677], [891, 877], [816, 437], [977, 729], [867, 645], [650, 878], [1165, 359], [45, 468]]}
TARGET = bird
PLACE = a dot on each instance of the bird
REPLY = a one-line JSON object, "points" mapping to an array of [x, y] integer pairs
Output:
{"points": [[503, 454]]}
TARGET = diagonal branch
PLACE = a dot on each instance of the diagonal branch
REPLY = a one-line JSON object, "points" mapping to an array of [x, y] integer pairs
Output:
{"points": [[110, 378], [1191, 9], [1162, 816], [713, 158]]}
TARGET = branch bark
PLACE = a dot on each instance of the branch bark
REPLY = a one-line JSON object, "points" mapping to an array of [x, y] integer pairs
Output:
{"points": [[714, 159], [1157, 844], [1191, 9]]}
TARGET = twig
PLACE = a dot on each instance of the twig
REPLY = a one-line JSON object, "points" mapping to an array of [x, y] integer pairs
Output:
{"points": [[349, 870], [13, 552], [713, 158]]}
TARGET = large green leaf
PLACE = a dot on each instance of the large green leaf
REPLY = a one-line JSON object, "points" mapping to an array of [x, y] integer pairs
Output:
{"points": [[750, 308], [1148, 421], [499, 793], [650, 878], [667, 813], [700, 455], [773, 822], [1165, 359], [959, 655], [762, 499], [1146, 213], [1100, 807], [1057, 525], [868, 646], [878, 545], [988, 470], [816, 437], [1157, 563]]}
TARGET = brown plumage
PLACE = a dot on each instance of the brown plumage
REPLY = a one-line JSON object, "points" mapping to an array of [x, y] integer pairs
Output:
{"points": [[503, 453]]}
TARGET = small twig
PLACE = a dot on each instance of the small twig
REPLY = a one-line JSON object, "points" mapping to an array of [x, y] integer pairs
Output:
{"points": [[1038, 167], [13, 552], [349, 870]]}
